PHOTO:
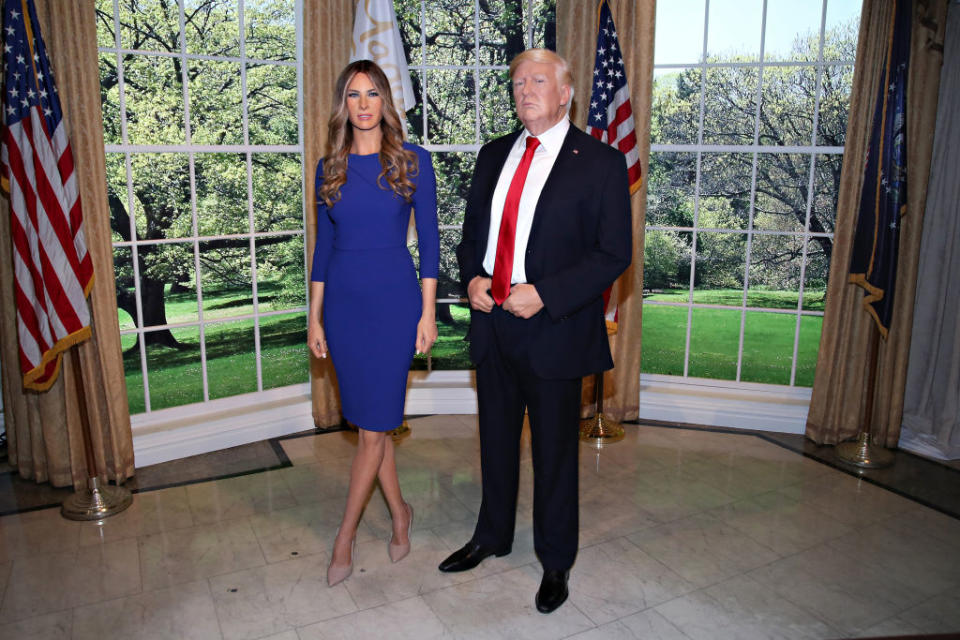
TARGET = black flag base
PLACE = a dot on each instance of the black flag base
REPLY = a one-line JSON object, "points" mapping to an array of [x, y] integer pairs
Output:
{"points": [[96, 502], [861, 453]]}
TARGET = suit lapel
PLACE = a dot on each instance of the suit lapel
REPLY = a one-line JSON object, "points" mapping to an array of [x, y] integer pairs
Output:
{"points": [[564, 168]]}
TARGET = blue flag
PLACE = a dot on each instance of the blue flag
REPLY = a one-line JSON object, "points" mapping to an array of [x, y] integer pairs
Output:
{"points": [[884, 195]]}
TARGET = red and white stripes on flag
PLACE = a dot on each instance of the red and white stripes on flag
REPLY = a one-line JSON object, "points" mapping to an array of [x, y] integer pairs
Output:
{"points": [[52, 269], [611, 119]]}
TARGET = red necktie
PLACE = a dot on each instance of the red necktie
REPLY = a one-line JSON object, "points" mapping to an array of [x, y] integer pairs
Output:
{"points": [[503, 263]]}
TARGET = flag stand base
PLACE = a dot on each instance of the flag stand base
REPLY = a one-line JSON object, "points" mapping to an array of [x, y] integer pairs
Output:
{"points": [[402, 430], [600, 430], [96, 502], [861, 453]]}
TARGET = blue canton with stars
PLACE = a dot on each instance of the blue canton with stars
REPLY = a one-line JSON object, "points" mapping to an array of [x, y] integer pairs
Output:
{"points": [[608, 73], [28, 80]]}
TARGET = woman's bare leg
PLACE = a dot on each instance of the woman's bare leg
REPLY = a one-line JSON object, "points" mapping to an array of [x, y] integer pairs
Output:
{"points": [[363, 472], [390, 484]]}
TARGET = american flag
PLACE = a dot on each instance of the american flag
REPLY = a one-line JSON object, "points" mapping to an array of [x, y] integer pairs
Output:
{"points": [[52, 269], [611, 118]]}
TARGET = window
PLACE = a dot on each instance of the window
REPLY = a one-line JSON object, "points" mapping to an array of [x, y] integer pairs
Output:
{"points": [[201, 125], [749, 116], [459, 52]]}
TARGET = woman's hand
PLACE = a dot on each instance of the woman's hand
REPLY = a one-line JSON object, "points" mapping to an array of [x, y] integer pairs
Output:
{"points": [[426, 334], [316, 339]]}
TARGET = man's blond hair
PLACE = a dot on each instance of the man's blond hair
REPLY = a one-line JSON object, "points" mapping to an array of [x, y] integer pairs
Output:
{"points": [[545, 56]]}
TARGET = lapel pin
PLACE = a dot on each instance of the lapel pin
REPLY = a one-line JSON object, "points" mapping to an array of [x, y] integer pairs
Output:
{"points": [[576, 151]]}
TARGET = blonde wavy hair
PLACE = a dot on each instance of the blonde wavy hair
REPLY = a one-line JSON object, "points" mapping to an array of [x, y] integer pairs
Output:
{"points": [[398, 164]]}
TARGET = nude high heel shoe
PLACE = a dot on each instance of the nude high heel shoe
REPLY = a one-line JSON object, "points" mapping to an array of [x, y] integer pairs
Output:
{"points": [[399, 551], [337, 574]]}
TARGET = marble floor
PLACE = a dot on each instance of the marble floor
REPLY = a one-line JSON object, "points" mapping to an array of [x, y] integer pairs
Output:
{"points": [[685, 534]]}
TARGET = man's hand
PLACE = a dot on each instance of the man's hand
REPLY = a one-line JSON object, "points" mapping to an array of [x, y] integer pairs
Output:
{"points": [[523, 301], [478, 291]]}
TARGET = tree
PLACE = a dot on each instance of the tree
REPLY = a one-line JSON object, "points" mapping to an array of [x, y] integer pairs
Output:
{"points": [[159, 202]]}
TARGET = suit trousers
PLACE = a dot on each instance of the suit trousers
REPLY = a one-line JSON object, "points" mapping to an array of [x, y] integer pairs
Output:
{"points": [[507, 387]]}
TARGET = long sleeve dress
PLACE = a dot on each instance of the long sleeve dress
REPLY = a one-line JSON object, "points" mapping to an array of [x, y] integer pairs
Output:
{"points": [[372, 301]]}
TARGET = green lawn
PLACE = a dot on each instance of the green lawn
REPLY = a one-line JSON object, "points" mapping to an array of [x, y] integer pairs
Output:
{"points": [[175, 373]]}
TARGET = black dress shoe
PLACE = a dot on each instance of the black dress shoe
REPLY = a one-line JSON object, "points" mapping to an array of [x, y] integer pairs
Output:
{"points": [[553, 590], [467, 557]]}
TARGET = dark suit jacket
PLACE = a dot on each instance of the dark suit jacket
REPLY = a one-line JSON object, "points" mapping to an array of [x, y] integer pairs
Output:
{"points": [[579, 243]]}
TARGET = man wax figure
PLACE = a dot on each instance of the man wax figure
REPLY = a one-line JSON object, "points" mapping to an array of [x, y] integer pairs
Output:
{"points": [[547, 229]]}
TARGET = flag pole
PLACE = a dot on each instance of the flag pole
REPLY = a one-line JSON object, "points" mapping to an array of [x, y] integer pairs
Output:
{"points": [[861, 452], [95, 502]]}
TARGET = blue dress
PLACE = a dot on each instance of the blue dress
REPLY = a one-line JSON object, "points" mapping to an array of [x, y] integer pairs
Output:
{"points": [[371, 299]]}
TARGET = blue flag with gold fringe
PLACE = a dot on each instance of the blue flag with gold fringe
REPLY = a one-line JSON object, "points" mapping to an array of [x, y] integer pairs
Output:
{"points": [[884, 195]]}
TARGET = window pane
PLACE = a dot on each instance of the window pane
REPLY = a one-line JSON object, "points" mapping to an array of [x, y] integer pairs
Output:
{"points": [[775, 271], [544, 24], [675, 117], [153, 90], [117, 197], [793, 30], [106, 34], [283, 350], [725, 180], [409, 22], [666, 264], [451, 111], [212, 27], [671, 180], [502, 33], [161, 195], [272, 104], [133, 374], [448, 284], [450, 29], [271, 29], [783, 182], [149, 25], [664, 339], [826, 187], [498, 116], [733, 30], [454, 171], [173, 367], [277, 191], [280, 275], [231, 358], [215, 107], [225, 265], [110, 98], [808, 346], [451, 351], [415, 114], [843, 24], [730, 105], [167, 284], [221, 184], [714, 342], [816, 274], [786, 113], [126, 296], [836, 83], [721, 260], [679, 32], [767, 347]]}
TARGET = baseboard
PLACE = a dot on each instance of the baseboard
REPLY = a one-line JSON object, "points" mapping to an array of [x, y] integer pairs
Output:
{"points": [[724, 404], [169, 434]]}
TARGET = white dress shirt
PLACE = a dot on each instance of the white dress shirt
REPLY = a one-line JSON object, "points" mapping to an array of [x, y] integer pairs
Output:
{"points": [[543, 158]]}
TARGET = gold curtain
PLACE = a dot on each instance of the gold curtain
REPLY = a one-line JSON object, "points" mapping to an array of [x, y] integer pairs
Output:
{"points": [[43, 429], [576, 41], [836, 406], [327, 37]]}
